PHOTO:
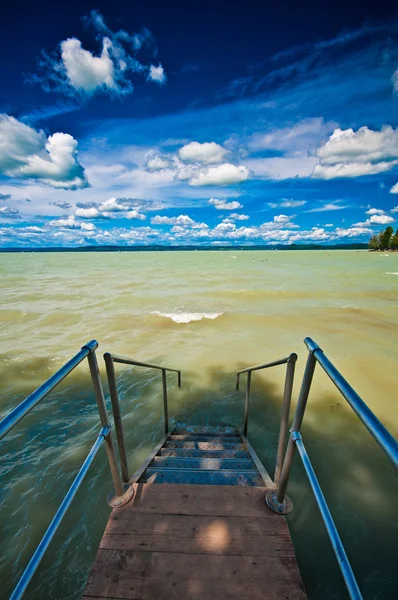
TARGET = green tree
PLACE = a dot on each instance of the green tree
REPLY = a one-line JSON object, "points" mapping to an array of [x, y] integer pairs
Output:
{"points": [[385, 237], [374, 242], [394, 241]]}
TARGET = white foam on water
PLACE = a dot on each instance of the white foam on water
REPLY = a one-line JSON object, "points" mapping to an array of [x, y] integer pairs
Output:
{"points": [[186, 317], [391, 273]]}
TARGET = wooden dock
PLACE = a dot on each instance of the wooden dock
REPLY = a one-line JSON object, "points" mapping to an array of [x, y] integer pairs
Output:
{"points": [[205, 533]]}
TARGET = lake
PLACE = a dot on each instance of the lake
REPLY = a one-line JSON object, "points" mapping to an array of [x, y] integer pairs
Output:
{"points": [[208, 314]]}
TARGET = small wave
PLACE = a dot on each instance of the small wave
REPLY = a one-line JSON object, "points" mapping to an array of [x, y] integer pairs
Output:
{"points": [[391, 273], [186, 317]]}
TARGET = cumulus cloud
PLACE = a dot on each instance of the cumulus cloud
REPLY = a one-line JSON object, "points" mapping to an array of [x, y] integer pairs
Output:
{"points": [[87, 213], [28, 154], [9, 213], [157, 163], [134, 214], [239, 217], [226, 174], [224, 205], [205, 154], [375, 211], [71, 223], [376, 220], [181, 221], [71, 69], [61, 204], [157, 74], [394, 189], [353, 154]]}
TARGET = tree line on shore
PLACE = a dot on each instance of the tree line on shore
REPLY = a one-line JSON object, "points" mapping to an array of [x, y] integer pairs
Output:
{"points": [[385, 240]]}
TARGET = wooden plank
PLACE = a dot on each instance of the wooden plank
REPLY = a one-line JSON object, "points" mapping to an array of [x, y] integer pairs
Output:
{"points": [[189, 452], [171, 576], [264, 474], [135, 477], [237, 536], [233, 433], [204, 463], [188, 499], [199, 477]]}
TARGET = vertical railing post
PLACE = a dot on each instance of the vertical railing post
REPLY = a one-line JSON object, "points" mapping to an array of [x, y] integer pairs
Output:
{"points": [[277, 500], [166, 412], [117, 417], [99, 396], [287, 398], [246, 415]]}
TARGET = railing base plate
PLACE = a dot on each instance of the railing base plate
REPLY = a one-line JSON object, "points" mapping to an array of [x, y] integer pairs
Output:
{"points": [[281, 508], [116, 501]]}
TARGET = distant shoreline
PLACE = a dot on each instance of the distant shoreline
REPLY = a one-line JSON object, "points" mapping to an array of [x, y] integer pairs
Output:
{"points": [[188, 248]]}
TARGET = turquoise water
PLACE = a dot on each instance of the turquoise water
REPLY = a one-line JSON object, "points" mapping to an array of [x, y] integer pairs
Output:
{"points": [[208, 313]]}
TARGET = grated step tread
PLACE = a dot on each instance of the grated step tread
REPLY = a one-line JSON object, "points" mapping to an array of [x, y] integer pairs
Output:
{"points": [[191, 453], [200, 477], [205, 463], [200, 445]]}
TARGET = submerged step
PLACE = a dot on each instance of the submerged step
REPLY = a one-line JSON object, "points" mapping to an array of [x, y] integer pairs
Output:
{"points": [[192, 453], [206, 463], [205, 445], [199, 477], [229, 439]]}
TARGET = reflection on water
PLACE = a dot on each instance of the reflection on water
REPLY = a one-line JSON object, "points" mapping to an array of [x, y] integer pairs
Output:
{"points": [[54, 303]]}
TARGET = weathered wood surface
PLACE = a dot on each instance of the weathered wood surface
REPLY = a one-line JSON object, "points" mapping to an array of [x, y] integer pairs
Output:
{"points": [[182, 542]]}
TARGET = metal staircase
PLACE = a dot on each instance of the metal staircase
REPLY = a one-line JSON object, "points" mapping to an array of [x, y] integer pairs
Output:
{"points": [[203, 458]]}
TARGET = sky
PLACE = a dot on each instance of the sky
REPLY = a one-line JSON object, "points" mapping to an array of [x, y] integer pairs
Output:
{"points": [[215, 124]]}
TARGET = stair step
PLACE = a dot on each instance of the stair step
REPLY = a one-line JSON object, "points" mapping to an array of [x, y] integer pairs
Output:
{"points": [[206, 438], [190, 453], [194, 476], [204, 445], [212, 464], [235, 433]]}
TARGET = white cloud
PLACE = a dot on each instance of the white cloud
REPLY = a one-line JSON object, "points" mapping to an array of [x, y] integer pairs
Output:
{"points": [[9, 213], [224, 205], [85, 72], [27, 154], [376, 220], [157, 74], [328, 207], [375, 211], [301, 136], [134, 214], [239, 217], [87, 213], [351, 169], [353, 154], [380, 219], [206, 153], [226, 174], [112, 205], [181, 221], [283, 167], [394, 189], [287, 204], [157, 163], [72, 69], [87, 226], [395, 209], [282, 219]]}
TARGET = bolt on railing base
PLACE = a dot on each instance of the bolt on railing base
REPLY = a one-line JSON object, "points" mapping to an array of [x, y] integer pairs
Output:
{"points": [[116, 501], [281, 508]]}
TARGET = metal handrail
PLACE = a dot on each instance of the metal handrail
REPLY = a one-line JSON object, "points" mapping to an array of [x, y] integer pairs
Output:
{"points": [[110, 359], [279, 502], [290, 361], [121, 496]]}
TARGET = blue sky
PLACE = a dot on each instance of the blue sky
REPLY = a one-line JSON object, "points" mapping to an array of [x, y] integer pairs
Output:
{"points": [[209, 125]]}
